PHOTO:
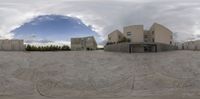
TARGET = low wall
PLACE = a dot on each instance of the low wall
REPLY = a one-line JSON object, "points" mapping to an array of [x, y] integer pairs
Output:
{"points": [[193, 46], [121, 47], [138, 48], [165, 47]]}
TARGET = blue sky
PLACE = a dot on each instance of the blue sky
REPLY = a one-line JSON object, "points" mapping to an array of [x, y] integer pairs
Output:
{"points": [[54, 28]]}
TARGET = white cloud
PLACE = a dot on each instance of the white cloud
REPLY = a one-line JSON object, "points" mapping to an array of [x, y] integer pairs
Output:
{"points": [[181, 16]]}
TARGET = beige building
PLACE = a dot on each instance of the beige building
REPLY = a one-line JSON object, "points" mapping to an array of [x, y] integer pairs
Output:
{"points": [[12, 45], [161, 34], [83, 43], [191, 45], [115, 37], [157, 38], [134, 33]]}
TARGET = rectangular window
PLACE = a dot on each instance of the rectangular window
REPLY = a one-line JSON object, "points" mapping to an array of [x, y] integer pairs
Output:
{"points": [[128, 33]]}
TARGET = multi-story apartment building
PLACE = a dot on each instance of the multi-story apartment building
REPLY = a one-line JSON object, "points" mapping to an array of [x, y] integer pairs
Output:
{"points": [[83, 43], [136, 33], [161, 34], [157, 38]]}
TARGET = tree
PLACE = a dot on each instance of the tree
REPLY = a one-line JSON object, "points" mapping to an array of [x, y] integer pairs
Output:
{"points": [[47, 48], [65, 48], [28, 47]]}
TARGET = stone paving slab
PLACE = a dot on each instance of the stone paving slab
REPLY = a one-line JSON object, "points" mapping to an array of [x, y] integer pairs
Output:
{"points": [[99, 74]]}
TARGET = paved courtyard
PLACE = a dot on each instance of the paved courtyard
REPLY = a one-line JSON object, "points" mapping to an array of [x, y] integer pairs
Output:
{"points": [[100, 75]]}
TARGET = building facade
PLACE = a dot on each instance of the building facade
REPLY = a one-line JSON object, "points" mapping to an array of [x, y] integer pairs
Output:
{"points": [[191, 45], [161, 34], [83, 43], [134, 33], [157, 38], [12, 45], [115, 37]]}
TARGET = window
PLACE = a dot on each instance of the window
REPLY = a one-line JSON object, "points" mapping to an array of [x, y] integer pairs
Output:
{"points": [[109, 38], [119, 36], [128, 33]]}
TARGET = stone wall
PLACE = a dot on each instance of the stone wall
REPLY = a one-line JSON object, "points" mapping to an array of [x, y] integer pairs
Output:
{"points": [[138, 48], [165, 47], [121, 47]]}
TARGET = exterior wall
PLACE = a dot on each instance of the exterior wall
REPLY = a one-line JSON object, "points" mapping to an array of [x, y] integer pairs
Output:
{"points": [[148, 36], [136, 31], [161, 34], [91, 43], [115, 36], [121, 47], [83, 43], [191, 45], [76, 44], [197, 43], [139, 48], [165, 47], [12, 45]]}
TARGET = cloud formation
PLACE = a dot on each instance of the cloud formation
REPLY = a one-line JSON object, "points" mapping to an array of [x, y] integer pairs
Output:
{"points": [[181, 16]]}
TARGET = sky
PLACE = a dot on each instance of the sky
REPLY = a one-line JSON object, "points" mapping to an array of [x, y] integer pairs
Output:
{"points": [[30, 19], [50, 28]]}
